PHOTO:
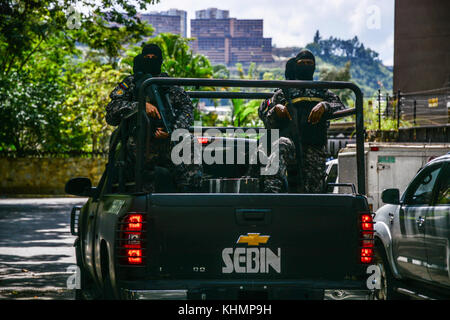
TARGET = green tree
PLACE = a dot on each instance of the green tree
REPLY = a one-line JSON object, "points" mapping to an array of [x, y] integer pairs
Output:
{"points": [[342, 74], [30, 97], [38, 53], [366, 70], [317, 37], [221, 71], [91, 84], [107, 44], [25, 26], [246, 114]]}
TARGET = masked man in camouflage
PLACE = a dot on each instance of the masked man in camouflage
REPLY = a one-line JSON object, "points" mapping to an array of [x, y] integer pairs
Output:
{"points": [[124, 101], [313, 106]]}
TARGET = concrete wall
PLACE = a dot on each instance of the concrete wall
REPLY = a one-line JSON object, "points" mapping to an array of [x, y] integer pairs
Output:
{"points": [[45, 176]]}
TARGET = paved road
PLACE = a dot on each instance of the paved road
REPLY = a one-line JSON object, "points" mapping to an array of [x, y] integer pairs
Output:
{"points": [[36, 248]]}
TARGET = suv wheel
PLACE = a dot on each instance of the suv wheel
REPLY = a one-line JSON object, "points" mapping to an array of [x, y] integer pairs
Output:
{"points": [[387, 280]]}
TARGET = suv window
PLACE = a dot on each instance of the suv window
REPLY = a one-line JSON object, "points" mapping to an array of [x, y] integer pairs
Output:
{"points": [[444, 188], [422, 188], [333, 174]]}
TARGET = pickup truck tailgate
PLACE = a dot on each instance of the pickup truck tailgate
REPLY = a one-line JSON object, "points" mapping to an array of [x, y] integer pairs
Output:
{"points": [[253, 236]]}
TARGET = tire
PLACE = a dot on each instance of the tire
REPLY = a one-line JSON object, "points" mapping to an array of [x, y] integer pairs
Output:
{"points": [[87, 291], [86, 283], [387, 280], [107, 289]]}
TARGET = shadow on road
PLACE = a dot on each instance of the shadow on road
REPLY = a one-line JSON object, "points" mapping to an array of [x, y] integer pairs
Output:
{"points": [[36, 247]]}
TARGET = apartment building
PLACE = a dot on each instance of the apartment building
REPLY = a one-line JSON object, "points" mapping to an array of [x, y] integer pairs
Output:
{"points": [[229, 40], [170, 21]]}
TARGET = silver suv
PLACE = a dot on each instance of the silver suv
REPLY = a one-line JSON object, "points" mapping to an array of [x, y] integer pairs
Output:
{"points": [[412, 235]]}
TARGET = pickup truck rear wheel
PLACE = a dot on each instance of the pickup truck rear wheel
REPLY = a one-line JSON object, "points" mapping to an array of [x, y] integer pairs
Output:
{"points": [[107, 290], [83, 292]]}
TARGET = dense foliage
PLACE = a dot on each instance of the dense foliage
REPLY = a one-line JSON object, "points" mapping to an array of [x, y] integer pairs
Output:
{"points": [[58, 65]]}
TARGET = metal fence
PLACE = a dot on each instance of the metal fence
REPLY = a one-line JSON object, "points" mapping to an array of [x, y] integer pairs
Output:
{"points": [[418, 109], [426, 108]]}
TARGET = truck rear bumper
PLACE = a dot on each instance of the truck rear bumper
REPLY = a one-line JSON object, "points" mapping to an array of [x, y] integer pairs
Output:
{"points": [[128, 294], [245, 290], [183, 295]]}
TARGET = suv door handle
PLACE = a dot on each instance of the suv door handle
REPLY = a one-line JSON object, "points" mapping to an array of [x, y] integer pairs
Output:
{"points": [[391, 217]]}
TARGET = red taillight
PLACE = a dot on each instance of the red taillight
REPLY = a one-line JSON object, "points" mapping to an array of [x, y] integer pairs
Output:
{"points": [[131, 239], [134, 256], [366, 255], [203, 140], [366, 238], [135, 222], [366, 222], [374, 149]]}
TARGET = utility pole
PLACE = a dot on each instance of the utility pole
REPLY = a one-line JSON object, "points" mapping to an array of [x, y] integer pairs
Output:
{"points": [[398, 108], [379, 110], [387, 105]]}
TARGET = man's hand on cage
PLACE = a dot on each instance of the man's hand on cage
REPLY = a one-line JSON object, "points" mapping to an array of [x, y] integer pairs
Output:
{"points": [[152, 111], [317, 113], [282, 112], [161, 134]]}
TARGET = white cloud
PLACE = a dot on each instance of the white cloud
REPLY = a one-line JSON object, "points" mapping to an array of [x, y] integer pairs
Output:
{"points": [[387, 46]]}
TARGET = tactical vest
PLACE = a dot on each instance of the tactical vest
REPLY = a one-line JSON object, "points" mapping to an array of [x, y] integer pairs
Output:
{"points": [[304, 100]]}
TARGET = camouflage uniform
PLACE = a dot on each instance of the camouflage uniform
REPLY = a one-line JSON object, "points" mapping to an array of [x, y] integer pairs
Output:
{"points": [[187, 177], [313, 139]]}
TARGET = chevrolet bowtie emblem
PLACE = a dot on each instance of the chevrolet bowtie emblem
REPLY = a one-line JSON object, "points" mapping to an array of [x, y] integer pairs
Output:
{"points": [[253, 239]]}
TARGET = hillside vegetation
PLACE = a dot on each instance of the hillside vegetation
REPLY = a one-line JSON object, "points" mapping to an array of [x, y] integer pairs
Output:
{"points": [[366, 68]]}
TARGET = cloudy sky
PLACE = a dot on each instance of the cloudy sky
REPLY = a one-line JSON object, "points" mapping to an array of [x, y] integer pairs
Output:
{"points": [[294, 22]]}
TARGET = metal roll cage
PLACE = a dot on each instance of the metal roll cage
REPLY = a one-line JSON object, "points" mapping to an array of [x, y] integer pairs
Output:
{"points": [[143, 120]]}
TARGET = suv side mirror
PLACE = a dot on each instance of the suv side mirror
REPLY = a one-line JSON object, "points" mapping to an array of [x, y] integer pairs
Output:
{"points": [[391, 196], [79, 187]]}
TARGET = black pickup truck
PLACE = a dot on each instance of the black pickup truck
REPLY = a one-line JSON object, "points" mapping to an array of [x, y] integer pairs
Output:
{"points": [[233, 243]]}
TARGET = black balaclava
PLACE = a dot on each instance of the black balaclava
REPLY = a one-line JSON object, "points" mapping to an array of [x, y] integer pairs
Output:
{"points": [[305, 72], [149, 65], [139, 66], [289, 72], [143, 66]]}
